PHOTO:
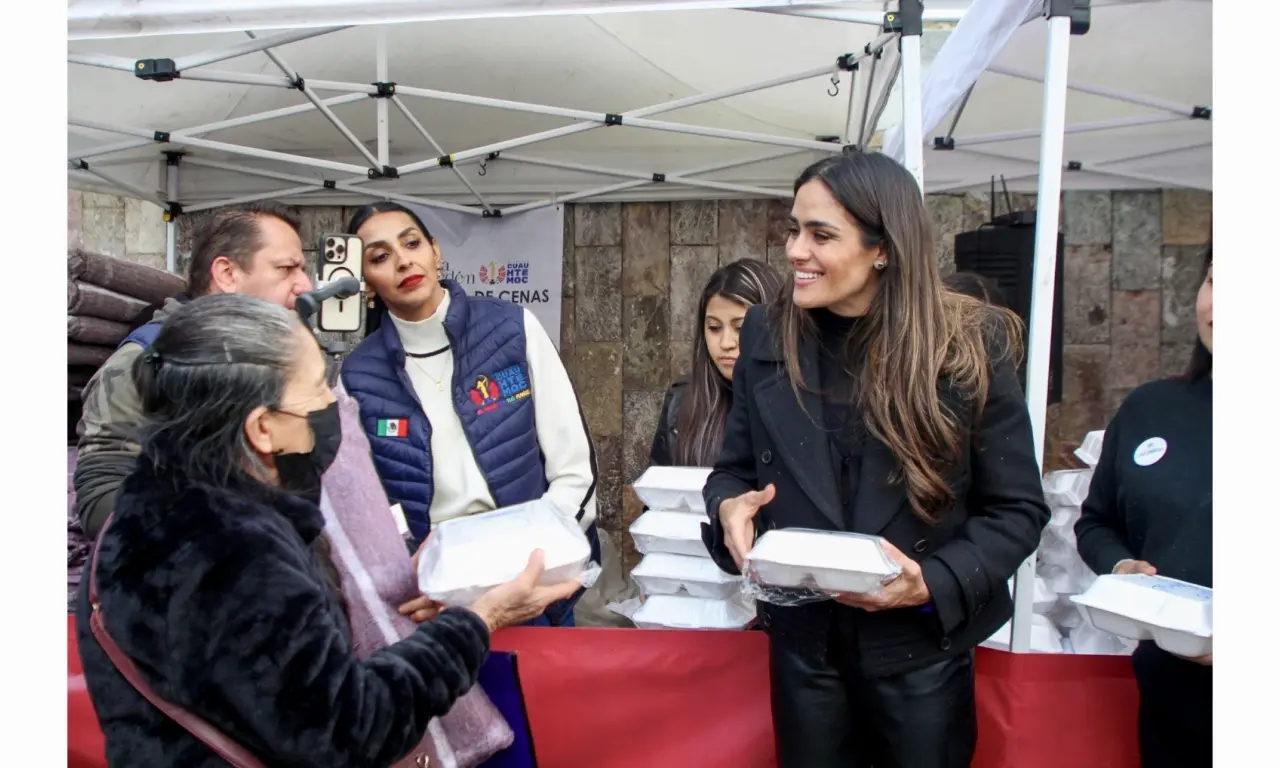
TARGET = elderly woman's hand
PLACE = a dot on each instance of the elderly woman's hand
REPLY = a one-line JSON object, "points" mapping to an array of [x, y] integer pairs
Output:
{"points": [[522, 599], [421, 608]]}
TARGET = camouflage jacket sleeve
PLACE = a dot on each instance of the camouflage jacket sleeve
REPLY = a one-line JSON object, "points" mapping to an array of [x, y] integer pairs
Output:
{"points": [[108, 447]]}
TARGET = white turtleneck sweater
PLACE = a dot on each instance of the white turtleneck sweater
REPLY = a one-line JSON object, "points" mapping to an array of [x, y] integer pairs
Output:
{"points": [[460, 488]]}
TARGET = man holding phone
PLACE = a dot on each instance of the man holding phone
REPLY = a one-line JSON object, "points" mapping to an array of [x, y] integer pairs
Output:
{"points": [[254, 250]]}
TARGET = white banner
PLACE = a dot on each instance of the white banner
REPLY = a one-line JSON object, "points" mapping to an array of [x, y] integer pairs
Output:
{"points": [[518, 258]]}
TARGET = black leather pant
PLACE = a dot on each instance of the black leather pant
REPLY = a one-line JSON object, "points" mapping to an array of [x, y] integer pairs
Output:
{"points": [[826, 714]]}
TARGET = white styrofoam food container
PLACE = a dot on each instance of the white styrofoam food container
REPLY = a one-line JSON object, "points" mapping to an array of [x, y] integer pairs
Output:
{"points": [[1067, 488], [676, 533], [660, 573], [1177, 615], [467, 556], [680, 612], [826, 560], [1090, 451], [673, 489]]}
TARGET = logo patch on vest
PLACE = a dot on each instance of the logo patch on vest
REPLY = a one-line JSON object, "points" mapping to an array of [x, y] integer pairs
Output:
{"points": [[393, 427], [506, 386]]}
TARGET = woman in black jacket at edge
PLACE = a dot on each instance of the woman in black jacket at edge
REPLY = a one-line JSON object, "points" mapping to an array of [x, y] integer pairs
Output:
{"points": [[1150, 510], [870, 399], [207, 573], [691, 427]]}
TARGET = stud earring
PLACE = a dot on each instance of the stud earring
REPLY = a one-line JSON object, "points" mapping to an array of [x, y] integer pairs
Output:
{"points": [[880, 265]]}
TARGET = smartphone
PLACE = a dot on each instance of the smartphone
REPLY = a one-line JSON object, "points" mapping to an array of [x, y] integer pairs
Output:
{"points": [[341, 256]]}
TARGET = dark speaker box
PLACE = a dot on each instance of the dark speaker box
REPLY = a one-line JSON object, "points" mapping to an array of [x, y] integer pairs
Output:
{"points": [[1005, 253]]}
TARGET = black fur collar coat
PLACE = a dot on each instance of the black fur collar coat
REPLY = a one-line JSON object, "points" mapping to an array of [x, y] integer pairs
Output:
{"points": [[217, 597]]}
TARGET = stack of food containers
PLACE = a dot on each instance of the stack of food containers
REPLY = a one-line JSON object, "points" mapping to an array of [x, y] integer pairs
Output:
{"points": [[683, 587]]}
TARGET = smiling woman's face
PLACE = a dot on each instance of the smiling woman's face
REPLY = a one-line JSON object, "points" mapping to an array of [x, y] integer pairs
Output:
{"points": [[401, 265]]}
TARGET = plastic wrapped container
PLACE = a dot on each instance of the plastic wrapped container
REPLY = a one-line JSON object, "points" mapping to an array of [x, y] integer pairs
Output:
{"points": [[821, 561], [1090, 451], [673, 489], [660, 573], [1067, 488], [680, 612], [467, 556], [676, 533], [1177, 615]]}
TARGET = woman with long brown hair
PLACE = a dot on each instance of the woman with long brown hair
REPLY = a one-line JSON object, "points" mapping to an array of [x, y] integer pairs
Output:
{"points": [[692, 424], [870, 399]]}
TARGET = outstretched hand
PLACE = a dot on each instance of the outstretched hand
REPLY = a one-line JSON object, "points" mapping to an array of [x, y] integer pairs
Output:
{"points": [[737, 519]]}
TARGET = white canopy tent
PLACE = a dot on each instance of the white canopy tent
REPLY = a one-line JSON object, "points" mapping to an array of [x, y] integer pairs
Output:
{"points": [[494, 106]]}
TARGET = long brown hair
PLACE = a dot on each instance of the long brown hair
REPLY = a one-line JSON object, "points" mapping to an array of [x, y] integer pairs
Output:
{"points": [[700, 420], [917, 336]]}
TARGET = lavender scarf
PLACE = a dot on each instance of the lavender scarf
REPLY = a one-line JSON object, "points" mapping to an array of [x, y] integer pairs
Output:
{"points": [[377, 576]]}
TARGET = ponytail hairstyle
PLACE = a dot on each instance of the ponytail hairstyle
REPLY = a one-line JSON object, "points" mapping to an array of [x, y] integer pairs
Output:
{"points": [[700, 420]]}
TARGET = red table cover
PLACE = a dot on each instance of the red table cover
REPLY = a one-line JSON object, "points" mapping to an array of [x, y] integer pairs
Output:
{"points": [[619, 698]]}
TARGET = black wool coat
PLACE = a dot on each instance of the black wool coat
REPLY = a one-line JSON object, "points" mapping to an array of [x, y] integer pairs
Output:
{"points": [[772, 436], [217, 597]]}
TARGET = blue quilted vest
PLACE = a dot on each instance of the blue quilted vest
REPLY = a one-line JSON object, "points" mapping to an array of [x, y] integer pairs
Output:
{"points": [[491, 393]]}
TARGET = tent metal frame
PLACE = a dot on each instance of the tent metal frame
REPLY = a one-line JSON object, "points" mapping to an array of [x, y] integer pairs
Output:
{"points": [[387, 94], [1050, 163]]}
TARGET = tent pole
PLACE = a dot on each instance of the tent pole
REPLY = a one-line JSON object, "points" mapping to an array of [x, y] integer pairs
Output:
{"points": [[436, 146], [184, 63], [911, 16], [1048, 203], [955, 120], [234, 149], [870, 18], [1185, 110], [235, 122], [1099, 169], [173, 162], [384, 127], [118, 183], [315, 184], [1034, 133], [108, 149], [254, 198], [667, 106], [297, 79], [653, 177], [882, 102], [610, 189], [1158, 153]]}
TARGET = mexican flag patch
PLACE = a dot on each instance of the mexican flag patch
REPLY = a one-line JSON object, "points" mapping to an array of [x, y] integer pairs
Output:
{"points": [[393, 427]]}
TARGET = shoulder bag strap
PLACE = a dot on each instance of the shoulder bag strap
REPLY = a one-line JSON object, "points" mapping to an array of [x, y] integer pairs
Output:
{"points": [[228, 750]]}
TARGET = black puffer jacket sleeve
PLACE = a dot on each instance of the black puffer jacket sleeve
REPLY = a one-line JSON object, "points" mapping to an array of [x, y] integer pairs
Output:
{"points": [[256, 635]]}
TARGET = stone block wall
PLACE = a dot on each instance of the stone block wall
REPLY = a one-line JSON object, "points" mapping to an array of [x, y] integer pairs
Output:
{"points": [[633, 273]]}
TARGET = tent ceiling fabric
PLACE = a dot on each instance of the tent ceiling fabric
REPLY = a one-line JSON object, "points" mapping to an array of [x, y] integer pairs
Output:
{"points": [[613, 62]]}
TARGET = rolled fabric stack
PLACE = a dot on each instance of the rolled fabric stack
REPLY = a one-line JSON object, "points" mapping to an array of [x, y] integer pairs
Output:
{"points": [[106, 297]]}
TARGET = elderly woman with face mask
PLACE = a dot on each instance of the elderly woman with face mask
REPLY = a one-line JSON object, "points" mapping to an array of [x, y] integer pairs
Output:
{"points": [[208, 628]]}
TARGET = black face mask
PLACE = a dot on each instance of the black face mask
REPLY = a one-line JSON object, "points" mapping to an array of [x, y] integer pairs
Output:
{"points": [[300, 472]]}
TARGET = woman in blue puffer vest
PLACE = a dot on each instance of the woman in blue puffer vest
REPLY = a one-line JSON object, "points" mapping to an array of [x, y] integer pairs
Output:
{"points": [[466, 403]]}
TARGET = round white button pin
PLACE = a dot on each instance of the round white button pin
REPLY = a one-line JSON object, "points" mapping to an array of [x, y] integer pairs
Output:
{"points": [[1152, 450]]}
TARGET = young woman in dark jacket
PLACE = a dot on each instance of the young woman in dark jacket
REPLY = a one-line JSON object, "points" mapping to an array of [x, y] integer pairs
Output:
{"points": [[1150, 510], [691, 427], [871, 400], [207, 578]]}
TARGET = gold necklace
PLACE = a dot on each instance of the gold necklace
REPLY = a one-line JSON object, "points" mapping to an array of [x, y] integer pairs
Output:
{"points": [[423, 367]]}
